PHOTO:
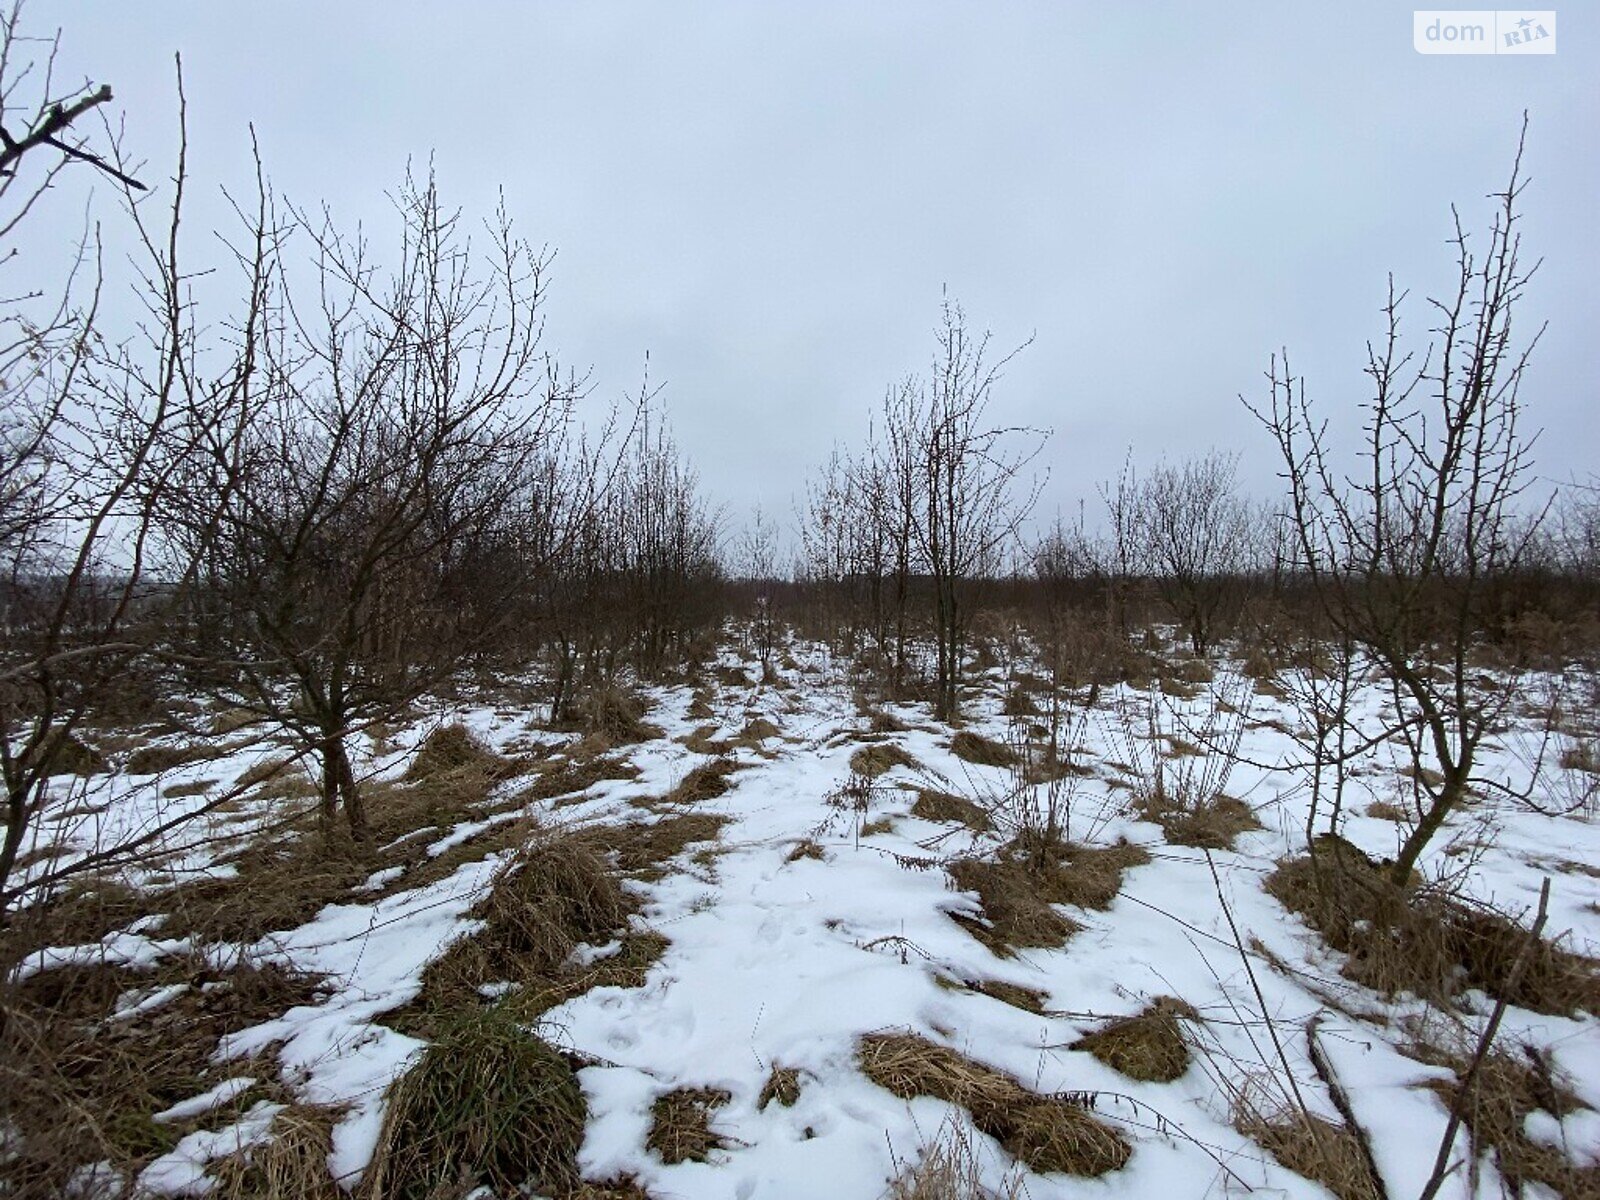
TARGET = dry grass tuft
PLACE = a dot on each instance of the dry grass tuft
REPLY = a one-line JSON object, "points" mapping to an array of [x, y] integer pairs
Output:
{"points": [[642, 847], [487, 1105], [805, 848], [451, 750], [783, 1086], [69, 755], [156, 760], [879, 721], [705, 782], [231, 720], [1209, 825], [625, 1187], [1030, 874], [934, 805], [617, 714], [1020, 703], [1067, 873], [273, 887], [1426, 942], [702, 741], [1048, 1133], [731, 676], [1257, 664], [1148, 1046], [874, 760], [981, 751], [1383, 810], [1026, 998], [1015, 916], [278, 770], [700, 706], [680, 1124], [557, 894], [756, 731], [1169, 685], [1320, 1150], [294, 1163], [562, 780], [1192, 670], [1508, 1090], [82, 1076], [179, 791], [949, 1169]]}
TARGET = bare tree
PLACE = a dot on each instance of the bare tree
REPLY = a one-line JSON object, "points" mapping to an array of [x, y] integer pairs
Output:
{"points": [[51, 116], [971, 473], [81, 461], [369, 509], [1195, 529], [758, 563], [1404, 555], [671, 574]]}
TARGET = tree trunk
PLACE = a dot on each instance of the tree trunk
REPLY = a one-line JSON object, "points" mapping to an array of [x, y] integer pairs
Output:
{"points": [[355, 809], [1443, 804]]}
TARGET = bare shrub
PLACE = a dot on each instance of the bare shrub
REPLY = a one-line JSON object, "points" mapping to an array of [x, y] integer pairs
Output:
{"points": [[1407, 549]]}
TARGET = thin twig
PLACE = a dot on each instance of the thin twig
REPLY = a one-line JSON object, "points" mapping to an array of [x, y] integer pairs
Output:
{"points": [[1458, 1105]]}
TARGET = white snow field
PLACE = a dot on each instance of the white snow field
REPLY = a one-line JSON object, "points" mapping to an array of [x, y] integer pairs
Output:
{"points": [[781, 961]]}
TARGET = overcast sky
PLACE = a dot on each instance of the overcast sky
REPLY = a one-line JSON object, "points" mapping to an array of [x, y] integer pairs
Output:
{"points": [[768, 199]]}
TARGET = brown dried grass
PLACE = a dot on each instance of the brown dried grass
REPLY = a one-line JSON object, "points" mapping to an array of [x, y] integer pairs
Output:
{"points": [[782, 1086], [705, 782], [1509, 1088], [1317, 1149], [680, 1124], [555, 895], [1425, 941], [948, 1168], [157, 760], [1209, 825], [933, 805], [294, 1163], [617, 714], [82, 1079], [1048, 1133], [1148, 1046], [643, 847], [487, 1105], [452, 749], [981, 751], [874, 760]]}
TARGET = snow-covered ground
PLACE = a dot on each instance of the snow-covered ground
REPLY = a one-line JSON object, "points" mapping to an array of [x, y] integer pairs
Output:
{"points": [[778, 961]]}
